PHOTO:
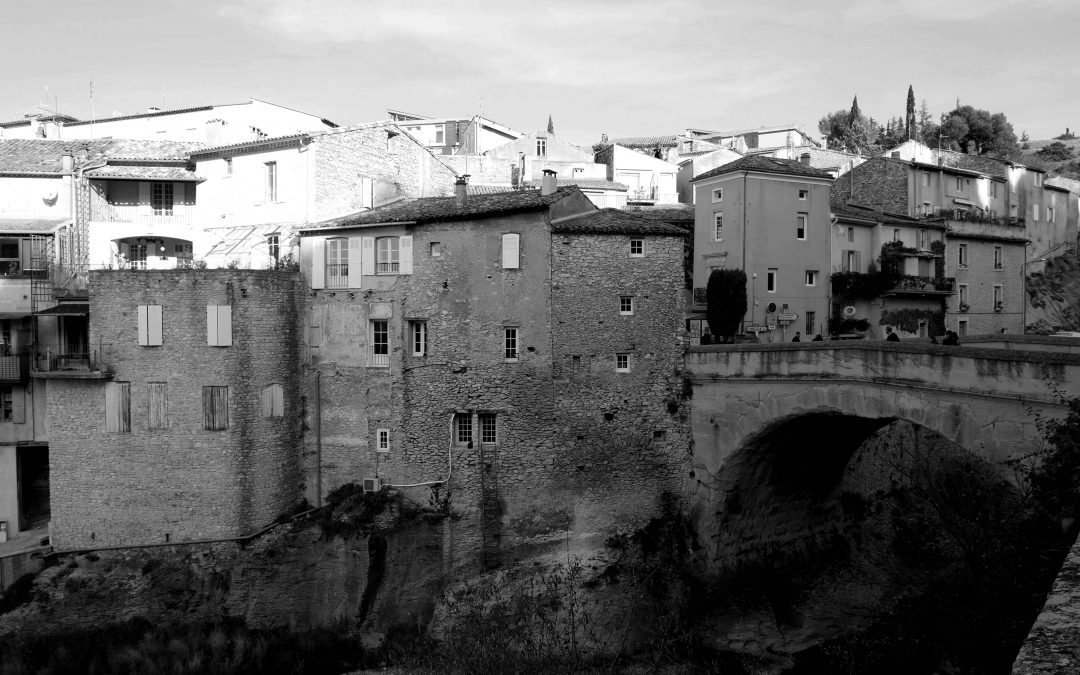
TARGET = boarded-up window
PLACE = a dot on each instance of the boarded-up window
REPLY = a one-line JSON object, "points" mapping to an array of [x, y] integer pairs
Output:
{"points": [[273, 401], [511, 251], [150, 325], [219, 325], [118, 407], [215, 403], [158, 403]]}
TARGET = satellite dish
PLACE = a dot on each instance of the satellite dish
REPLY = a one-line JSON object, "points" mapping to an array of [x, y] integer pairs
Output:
{"points": [[849, 310], [772, 308]]}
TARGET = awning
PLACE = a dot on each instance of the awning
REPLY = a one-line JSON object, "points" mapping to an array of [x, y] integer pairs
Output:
{"points": [[965, 202], [67, 309]]}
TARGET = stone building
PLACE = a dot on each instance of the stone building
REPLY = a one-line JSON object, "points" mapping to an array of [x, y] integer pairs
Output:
{"points": [[519, 351]]}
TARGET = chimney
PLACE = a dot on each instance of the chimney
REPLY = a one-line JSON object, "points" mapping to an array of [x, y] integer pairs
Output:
{"points": [[805, 158], [67, 163], [153, 109], [550, 182], [461, 190]]}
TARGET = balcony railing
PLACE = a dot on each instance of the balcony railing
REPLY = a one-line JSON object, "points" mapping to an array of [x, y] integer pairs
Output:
{"points": [[337, 276], [651, 194], [969, 216], [913, 284], [142, 214], [52, 360], [14, 367], [380, 360]]}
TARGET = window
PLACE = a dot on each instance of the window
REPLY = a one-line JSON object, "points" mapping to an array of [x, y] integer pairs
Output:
{"points": [[541, 147], [273, 401], [959, 184], [926, 178], [626, 304], [7, 410], [228, 166], [1035, 212], [215, 401], [11, 255], [382, 440], [1050, 214], [157, 397], [637, 248], [271, 183], [999, 297], [962, 289], [803, 194], [922, 240], [463, 428], [800, 226], [510, 343], [440, 134], [811, 277], [718, 223], [811, 323], [851, 261], [487, 428], [718, 195], [137, 256], [511, 251], [622, 363], [961, 255], [337, 263], [418, 337], [1038, 179], [118, 407], [161, 198], [436, 249], [219, 325], [770, 280], [998, 259], [851, 234], [272, 247], [993, 189], [13, 404], [961, 327], [183, 251], [387, 255], [896, 234], [150, 325], [380, 343]]}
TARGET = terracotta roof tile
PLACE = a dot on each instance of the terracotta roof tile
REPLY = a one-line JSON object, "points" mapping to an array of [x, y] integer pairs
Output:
{"points": [[617, 221], [585, 183], [758, 164], [127, 172], [18, 225], [40, 156]]}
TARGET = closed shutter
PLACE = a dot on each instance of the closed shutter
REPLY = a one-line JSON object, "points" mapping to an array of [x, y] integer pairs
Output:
{"points": [[118, 407], [511, 251], [144, 339], [18, 405], [158, 402], [150, 325], [219, 325], [215, 408], [858, 262], [318, 261], [179, 198], [144, 210], [405, 255], [845, 262], [367, 255], [273, 401], [26, 254], [356, 269]]}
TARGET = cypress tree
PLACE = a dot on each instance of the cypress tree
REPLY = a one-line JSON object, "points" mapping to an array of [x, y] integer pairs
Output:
{"points": [[909, 120]]}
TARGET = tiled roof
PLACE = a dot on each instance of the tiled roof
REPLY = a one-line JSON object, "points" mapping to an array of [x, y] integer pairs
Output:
{"points": [[757, 164], [869, 213], [585, 183], [616, 221], [434, 209], [127, 172], [645, 141], [157, 113], [489, 189], [39, 156], [16, 225], [254, 143], [676, 214]]}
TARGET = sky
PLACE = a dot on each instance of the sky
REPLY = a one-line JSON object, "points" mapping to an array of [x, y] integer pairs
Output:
{"points": [[620, 67]]}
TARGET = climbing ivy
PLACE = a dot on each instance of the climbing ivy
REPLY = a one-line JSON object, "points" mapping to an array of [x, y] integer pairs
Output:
{"points": [[908, 320]]}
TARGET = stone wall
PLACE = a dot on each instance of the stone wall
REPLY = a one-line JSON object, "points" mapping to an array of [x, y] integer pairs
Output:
{"points": [[183, 482], [980, 277], [482, 169]]}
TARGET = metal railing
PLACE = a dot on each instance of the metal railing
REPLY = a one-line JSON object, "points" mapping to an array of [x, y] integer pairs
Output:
{"points": [[144, 214], [651, 194], [913, 283], [969, 216], [74, 359], [337, 276], [381, 360]]}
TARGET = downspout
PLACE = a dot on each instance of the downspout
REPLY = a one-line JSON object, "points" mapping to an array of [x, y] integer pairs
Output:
{"points": [[744, 235], [318, 437]]}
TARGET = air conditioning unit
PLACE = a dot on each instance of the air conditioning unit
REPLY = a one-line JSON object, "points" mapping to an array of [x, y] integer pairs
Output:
{"points": [[849, 310], [372, 484]]}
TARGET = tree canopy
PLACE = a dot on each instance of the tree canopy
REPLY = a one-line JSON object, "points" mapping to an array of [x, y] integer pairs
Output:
{"points": [[979, 132], [726, 302]]}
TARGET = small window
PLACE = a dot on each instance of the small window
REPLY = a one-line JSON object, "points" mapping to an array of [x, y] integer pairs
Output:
{"points": [[998, 258], [418, 337], [488, 430], [926, 178], [718, 195], [1038, 179], [387, 255], [961, 327], [1050, 214], [219, 325], [440, 134], [622, 363], [961, 255], [896, 234], [511, 251], [1035, 212], [463, 428], [118, 407], [271, 183], [811, 323], [380, 343], [999, 297], [382, 440], [993, 189], [541, 147], [273, 249], [922, 239], [811, 277], [637, 248], [510, 343], [770, 280], [626, 304], [228, 166], [800, 226], [803, 194], [13, 404], [273, 401], [959, 184], [851, 234], [150, 325], [962, 297], [158, 405], [718, 225], [215, 408], [436, 249]]}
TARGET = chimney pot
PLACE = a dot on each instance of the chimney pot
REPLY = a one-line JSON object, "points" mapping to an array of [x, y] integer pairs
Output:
{"points": [[67, 163], [805, 158], [461, 190], [550, 182]]}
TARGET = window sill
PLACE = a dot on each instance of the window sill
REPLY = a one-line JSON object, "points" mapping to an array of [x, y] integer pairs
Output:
{"points": [[637, 255], [510, 360]]}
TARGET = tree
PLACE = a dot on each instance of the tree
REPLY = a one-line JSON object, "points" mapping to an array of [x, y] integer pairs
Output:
{"points": [[929, 131], [895, 133], [726, 302], [855, 113], [833, 127], [551, 125], [849, 129], [1056, 152], [909, 116], [978, 132], [1024, 138]]}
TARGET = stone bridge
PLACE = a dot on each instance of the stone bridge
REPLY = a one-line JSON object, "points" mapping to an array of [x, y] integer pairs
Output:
{"points": [[776, 425]]}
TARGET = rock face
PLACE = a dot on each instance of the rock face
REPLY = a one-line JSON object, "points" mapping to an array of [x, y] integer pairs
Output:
{"points": [[1053, 645]]}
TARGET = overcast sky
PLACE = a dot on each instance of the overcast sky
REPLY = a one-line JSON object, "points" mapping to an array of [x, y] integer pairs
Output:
{"points": [[625, 67]]}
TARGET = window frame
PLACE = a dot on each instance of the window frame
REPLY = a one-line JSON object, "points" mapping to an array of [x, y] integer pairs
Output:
{"points": [[270, 194], [463, 428], [640, 245], [851, 235], [626, 305], [622, 362], [118, 420], [999, 258], [380, 343], [804, 194], [511, 344], [717, 195], [382, 440], [802, 226], [811, 277], [336, 274], [541, 147], [162, 198], [999, 297], [273, 247], [488, 423], [962, 294], [772, 279], [961, 255], [718, 225], [393, 265], [418, 337]]}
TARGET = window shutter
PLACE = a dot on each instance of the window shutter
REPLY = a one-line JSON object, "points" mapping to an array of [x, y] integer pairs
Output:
{"points": [[511, 250], [405, 255], [18, 405], [367, 255], [858, 262], [26, 254], [158, 405], [845, 262], [215, 408], [179, 197], [268, 401], [279, 401], [154, 329], [118, 407], [318, 262], [211, 326], [144, 339], [144, 210], [224, 325], [356, 269]]}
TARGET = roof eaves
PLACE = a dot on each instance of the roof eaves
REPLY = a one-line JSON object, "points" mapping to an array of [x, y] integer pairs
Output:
{"points": [[159, 113]]}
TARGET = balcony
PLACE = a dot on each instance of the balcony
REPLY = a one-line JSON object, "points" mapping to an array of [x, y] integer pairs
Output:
{"points": [[71, 362], [652, 194], [966, 216], [913, 285], [337, 276], [141, 214]]}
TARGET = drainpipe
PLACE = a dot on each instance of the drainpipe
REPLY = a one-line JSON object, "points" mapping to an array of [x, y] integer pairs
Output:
{"points": [[318, 438]]}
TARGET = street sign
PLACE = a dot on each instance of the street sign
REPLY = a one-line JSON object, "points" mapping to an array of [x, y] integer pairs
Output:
{"points": [[772, 325], [756, 329], [788, 316]]}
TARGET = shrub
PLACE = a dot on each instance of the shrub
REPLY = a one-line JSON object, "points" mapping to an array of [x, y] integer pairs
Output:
{"points": [[726, 295]]}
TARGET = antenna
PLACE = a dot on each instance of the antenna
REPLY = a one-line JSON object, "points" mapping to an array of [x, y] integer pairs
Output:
{"points": [[91, 109]]}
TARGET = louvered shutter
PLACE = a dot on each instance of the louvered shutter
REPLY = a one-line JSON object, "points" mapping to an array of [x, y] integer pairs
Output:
{"points": [[144, 339], [405, 255], [356, 269], [511, 251], [224, 325], [144, 210], [367, 255], [317, 254], [211, 325], [18, 405], [153, 325], [858, 262], [158, 404]]}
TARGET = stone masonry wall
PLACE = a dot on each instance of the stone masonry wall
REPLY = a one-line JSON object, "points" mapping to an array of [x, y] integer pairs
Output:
{"points": [[877, 182], [183, 482], [482, 170], [980, 277]]}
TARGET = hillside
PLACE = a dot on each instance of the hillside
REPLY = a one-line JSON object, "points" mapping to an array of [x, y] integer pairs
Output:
{"points": [[1069, 167], [1054, 295]]}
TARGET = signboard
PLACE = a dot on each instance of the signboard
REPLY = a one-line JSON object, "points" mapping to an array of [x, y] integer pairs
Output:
{"points": [[756, 329], [772, 325], [788, 316]]}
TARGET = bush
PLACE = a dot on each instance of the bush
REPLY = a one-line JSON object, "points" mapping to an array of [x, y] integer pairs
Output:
{"points": [[726, 297]]}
